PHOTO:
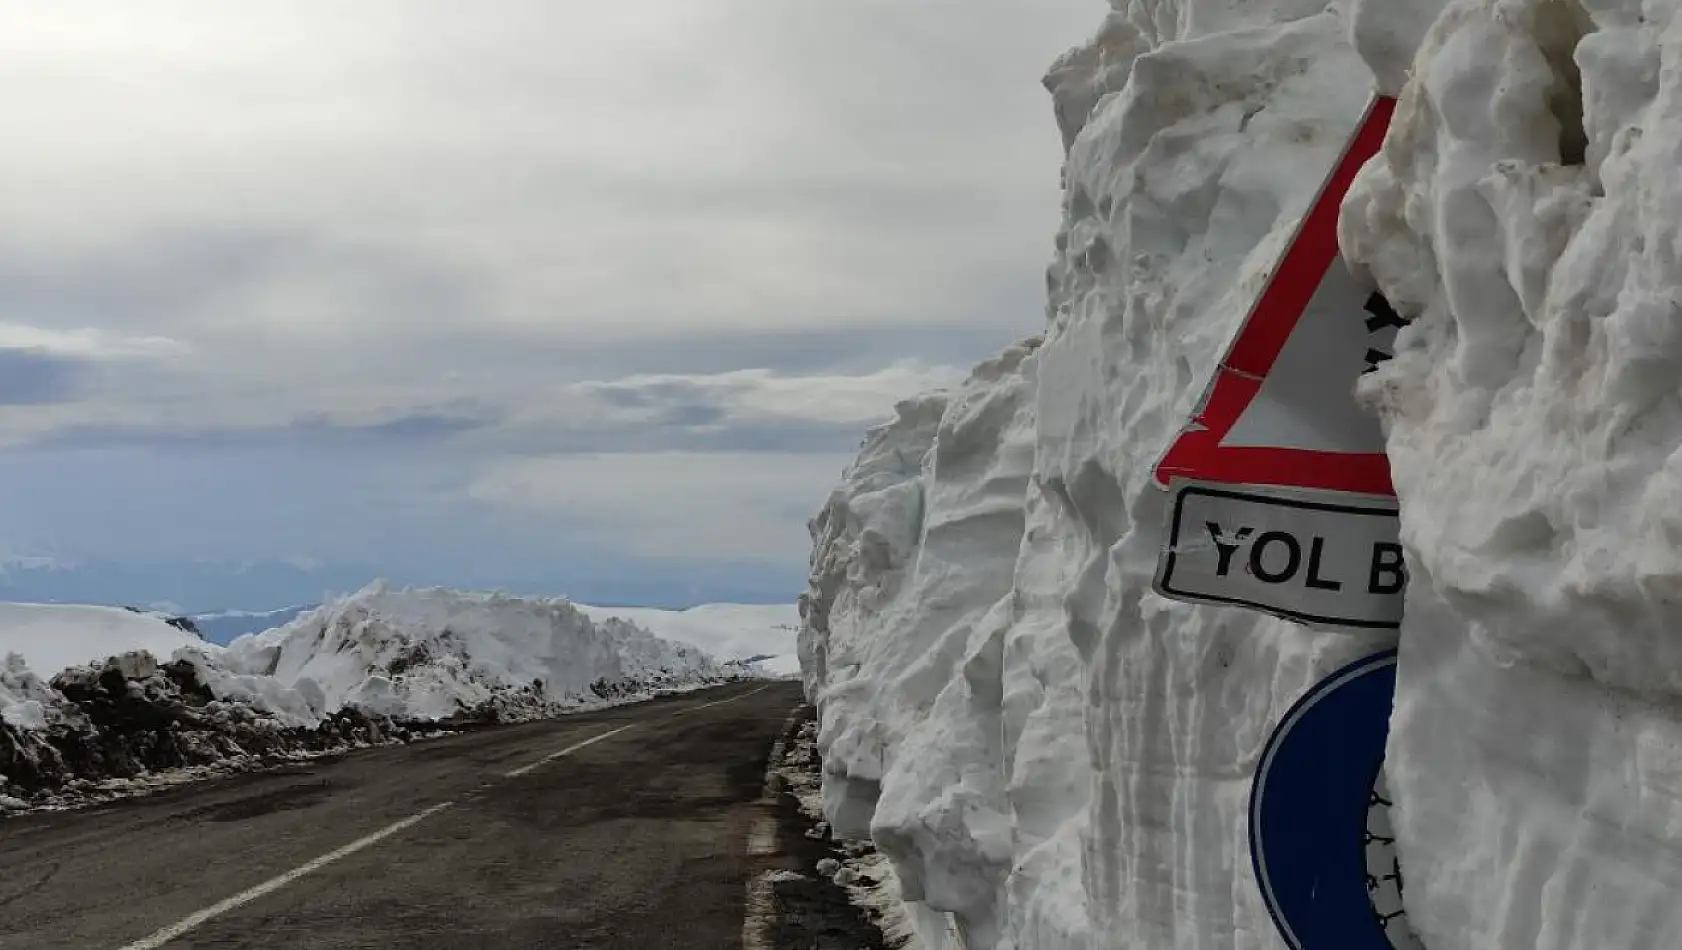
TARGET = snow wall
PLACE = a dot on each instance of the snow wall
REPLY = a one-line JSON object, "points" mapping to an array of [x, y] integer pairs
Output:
{"points": [[431, 653], [1056, 758]]}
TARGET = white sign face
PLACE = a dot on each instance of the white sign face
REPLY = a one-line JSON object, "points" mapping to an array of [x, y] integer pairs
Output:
{"points": [[1281, 493], [1280, 408], [1307, 401], [1325, 559]]}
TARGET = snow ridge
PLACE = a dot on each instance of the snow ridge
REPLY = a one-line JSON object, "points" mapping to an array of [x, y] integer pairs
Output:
{"points": [[1056, 758], [1525, 211], [1053, 756], [53, 637], [379, 665], [430, 654]]}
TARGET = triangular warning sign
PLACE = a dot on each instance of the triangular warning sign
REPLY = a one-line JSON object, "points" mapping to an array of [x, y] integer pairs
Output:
{"points": [[1280, 409]]}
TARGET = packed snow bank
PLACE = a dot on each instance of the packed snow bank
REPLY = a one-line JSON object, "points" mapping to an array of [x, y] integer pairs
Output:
{"points": [[1527, 211], [1056, 758], [39, 641], [377, 666], [947, 706], [129, 722], [435, 654], [25, 700], [780, 667], [722, 631], [54, 637], [1053, 756]]}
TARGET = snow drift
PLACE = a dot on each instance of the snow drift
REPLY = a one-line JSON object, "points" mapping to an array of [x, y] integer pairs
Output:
{"points": [[723, 631], [379, 665], [433, 654], [1526, 209], [54, 637], [102, 729], [1053, 756]]}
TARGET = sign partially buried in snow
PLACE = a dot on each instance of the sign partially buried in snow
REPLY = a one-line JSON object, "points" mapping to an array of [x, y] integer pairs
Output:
{"points": [[1306, 527], [1320, 558], [1320, 838]]}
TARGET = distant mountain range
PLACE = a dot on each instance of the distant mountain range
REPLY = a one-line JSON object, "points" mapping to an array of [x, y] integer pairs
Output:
{"points": [[219, 596]]}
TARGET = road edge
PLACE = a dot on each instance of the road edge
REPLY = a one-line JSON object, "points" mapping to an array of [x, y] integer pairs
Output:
{"points": [[806, 890]]}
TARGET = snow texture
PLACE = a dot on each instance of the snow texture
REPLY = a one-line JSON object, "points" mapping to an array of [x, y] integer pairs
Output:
{"points": [[722, 631], [779, 667], [54, 637], [1054, 757], [1527, 212], [129, 724], [25, 701], [434, 654], [376, 666]]}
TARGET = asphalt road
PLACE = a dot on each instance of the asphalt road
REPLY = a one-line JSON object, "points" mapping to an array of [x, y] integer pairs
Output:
{"points": [[494, 839]]}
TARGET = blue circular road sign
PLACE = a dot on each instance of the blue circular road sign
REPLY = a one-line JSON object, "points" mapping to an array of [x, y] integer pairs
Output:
{"points": [[1320, 838]]}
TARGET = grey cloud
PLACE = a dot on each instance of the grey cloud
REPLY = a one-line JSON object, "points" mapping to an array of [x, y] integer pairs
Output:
{"points": [[660, 393], [881, 143], [691, 428], [791, 438], [415, 428], [907, 198], [311, 432], [206, 274], [30, 377], [391, 204], [843, 349], [201, 509], [693, 414], [679, 403], [628, 397], [630, 416]]}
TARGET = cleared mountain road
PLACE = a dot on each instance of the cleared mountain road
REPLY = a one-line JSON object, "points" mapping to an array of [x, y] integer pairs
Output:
{"points": [[624, 829]]}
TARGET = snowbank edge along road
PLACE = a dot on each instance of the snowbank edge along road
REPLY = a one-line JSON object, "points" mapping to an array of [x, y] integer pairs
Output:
{"points": [[1055, 757]]}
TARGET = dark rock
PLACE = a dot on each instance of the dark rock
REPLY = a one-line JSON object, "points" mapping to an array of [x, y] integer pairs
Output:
{"points": [[130, 716]]}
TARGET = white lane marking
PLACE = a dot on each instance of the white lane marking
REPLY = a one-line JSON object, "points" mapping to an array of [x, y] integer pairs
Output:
{"points": [[719, 702], [273, 884], [524, 769], [276, 883]]}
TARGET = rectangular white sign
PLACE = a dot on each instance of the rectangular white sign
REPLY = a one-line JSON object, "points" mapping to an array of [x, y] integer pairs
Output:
{"points": [[1324, 559]]}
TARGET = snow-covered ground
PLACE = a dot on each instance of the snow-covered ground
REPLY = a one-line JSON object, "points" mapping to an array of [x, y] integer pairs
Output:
{"points": [[374, 664], [53, 637], [723, 631], [1056, 758], [428, 654], [781, 667]]}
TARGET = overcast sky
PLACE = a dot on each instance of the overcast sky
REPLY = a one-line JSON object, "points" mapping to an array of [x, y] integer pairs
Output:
{"points": [[533, 293]]}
